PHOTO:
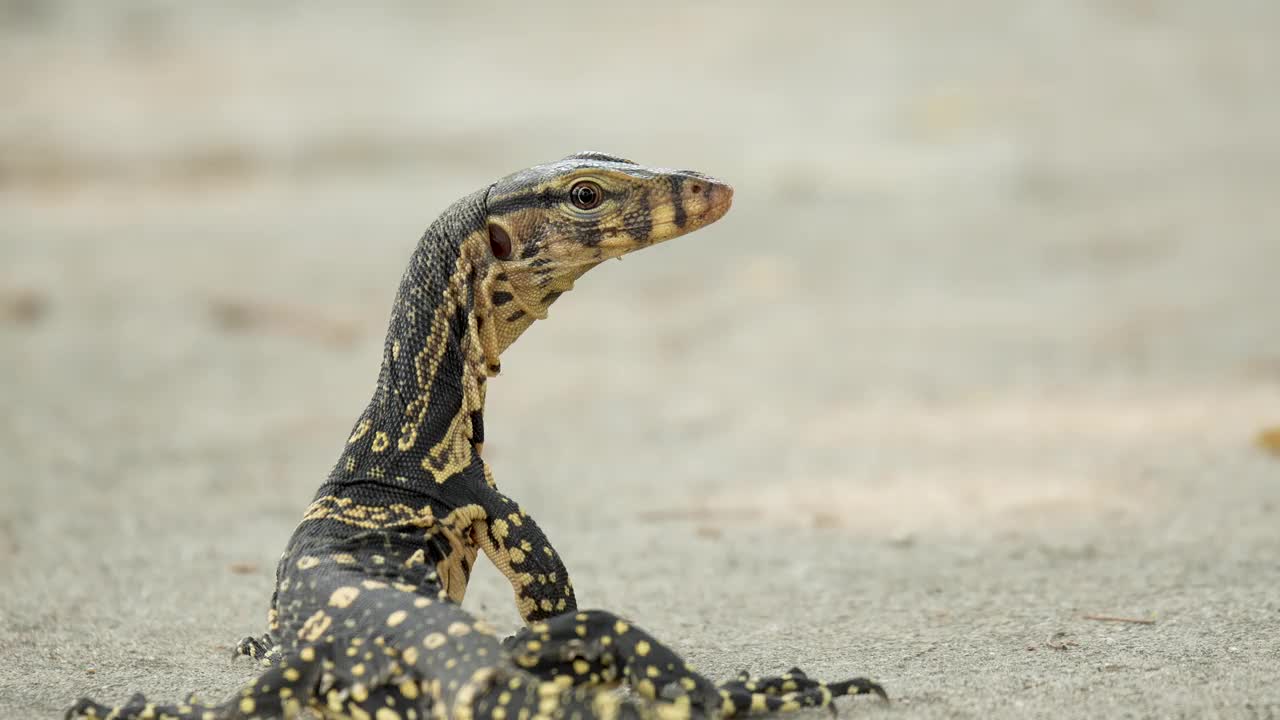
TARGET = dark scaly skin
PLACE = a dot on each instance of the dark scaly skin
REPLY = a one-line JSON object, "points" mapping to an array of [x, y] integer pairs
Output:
{"points": [[366, 619]]}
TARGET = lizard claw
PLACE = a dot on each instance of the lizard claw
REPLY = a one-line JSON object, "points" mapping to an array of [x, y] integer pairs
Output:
{"points": [[263, 649]]}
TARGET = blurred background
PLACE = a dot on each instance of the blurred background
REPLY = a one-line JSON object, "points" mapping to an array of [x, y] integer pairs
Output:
{"points": [[988, 346]]}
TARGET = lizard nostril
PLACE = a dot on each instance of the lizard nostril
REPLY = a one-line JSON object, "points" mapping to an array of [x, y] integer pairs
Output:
{"points": [[696, 189]]}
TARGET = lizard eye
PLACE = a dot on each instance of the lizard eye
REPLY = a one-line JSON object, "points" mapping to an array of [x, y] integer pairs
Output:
{"points": [[499, 242], [586, 195]]}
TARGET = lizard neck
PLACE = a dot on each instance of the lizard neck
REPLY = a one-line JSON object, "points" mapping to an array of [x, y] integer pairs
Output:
{"points": [[424, 424]]}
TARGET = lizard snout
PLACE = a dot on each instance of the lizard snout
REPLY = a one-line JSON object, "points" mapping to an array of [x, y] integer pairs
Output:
{"points": [[689, 201], [713, 196]]}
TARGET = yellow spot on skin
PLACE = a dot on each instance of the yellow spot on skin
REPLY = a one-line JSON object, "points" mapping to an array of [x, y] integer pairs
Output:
{"points": [[758, 703], [642, 648], [308, 654], [459, 629], [247, 706], [396, 618], [360, 430], [409, 689], [404, 587], [516, 554], [306, 562], [434, 640], [621, 627], [581, 630], [344, 596], [359, 692], [547, 606], [380, 441], [417, 558], [386, 713], [373, 584], [500, 528], [357, 669], [498, 713], [292, 674], [410, 655], [408, 436], [581, 667], [421, 602], [646, 689], [315, 626], [344, 559], [652, 671], [688, 684]]}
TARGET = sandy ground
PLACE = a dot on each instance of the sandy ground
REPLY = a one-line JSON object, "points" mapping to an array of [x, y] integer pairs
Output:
{"points": [[984, 350]]}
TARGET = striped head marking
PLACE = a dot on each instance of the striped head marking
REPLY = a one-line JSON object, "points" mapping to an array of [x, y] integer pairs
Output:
{"points": [[549, 224]]}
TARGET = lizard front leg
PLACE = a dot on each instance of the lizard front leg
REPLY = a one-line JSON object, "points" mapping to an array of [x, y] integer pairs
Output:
{"points": [[523, 554]]}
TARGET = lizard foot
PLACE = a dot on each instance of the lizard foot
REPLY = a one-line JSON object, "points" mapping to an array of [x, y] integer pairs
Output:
{"points": [[792, 690], [264, 649]]}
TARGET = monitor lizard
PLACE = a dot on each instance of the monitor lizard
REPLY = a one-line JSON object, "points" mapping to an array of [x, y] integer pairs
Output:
{"points": [[366, 620]]}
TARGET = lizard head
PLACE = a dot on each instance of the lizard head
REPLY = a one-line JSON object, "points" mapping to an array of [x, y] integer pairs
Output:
{"points": [[549, 224]]}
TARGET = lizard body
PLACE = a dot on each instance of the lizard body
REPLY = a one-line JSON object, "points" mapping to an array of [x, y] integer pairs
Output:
{"points": [[366, 621]]}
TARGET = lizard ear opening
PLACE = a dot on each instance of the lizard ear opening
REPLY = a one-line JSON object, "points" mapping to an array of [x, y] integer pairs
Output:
{"points": [[499, 242]]}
